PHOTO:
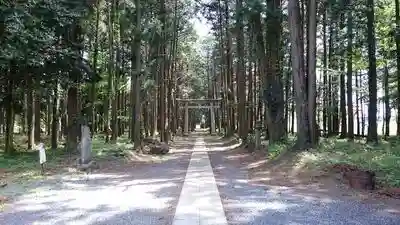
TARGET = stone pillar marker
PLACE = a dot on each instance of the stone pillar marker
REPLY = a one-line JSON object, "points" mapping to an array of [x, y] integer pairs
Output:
{"points": [[86, 145], [186, 128], [212, 118], [258, 135]]}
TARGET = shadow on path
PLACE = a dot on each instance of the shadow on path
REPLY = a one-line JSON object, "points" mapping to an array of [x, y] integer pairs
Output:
{"points": [[142, 194], [258, 204], [148, 194]]}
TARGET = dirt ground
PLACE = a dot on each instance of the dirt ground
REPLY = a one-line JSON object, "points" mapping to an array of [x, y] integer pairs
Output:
{"points": [[288, 172], [15, 183]]}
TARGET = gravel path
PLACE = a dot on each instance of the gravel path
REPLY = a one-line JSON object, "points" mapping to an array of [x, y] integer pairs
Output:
{"points": [[246, 203], [142, 195]]}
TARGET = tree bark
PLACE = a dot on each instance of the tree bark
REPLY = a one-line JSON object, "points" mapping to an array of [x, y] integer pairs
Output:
{"points": [[372, 80], [350, 115], [297, 54]]}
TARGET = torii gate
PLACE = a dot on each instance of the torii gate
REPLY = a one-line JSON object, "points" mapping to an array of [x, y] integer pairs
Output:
{"points": [[211, 104]]}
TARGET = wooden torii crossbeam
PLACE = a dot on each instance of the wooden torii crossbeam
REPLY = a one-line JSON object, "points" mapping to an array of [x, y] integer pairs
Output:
{"points": [[187, 104]]}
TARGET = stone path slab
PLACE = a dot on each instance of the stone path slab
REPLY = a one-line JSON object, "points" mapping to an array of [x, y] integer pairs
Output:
{"points": [[199, 202]]}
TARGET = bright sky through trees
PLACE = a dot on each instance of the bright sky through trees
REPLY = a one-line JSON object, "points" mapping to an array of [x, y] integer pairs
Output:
{"points": [[201, 26]]}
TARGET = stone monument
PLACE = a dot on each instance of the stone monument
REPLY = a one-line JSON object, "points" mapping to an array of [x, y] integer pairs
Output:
{"points": [[42, 156], [85, 145], [85, 162]]}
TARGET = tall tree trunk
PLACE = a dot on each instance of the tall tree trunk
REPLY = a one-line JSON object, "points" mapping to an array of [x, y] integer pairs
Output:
{"points": [[287, 96], [297, 54], [325, 113], [48, 113], [110, 68], [333, 59], [240, 74], [163, 108], [372, 80], [397, 38], [137, 133], [350, 116], [72, 127], [30, 112], [55, 116], [386, 101], [358, 106], [229, 72], [116, 78], [250, 96], [37, 114], [330, 99], [273, 89], [92, 112], [312, 76], [342, 87], [10, 114], [362, 113]]}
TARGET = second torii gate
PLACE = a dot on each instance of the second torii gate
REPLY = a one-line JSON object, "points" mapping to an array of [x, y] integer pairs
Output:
{"points": [[187, 104]]}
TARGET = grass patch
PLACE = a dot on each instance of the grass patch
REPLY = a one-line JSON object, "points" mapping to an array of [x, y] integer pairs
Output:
{"points": [[277, 149], [383, 158], [100, 149], [24, 165], [29, 159]]}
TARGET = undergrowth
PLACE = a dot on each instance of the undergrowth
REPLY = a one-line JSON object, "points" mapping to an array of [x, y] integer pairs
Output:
{"points": [[277, 149], [25, 164], [383, 158]]}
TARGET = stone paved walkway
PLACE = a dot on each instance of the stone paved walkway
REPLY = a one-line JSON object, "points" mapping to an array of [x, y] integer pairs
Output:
{"points": [[199, 202]]}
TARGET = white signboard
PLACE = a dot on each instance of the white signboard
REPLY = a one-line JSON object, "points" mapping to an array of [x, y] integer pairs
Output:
{"points": [[42, 153]]}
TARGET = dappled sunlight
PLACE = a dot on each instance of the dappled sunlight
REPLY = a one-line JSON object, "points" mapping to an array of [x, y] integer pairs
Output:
{"points": [[211, 143], [146, 192], [135, 156], [308, 193], [224, 148], [117, 196], [251, 202], [152, 193], [273, 205], [182, 146], [257, 163]]}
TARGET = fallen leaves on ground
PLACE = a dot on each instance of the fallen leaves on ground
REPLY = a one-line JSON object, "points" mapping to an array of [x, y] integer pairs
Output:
{"points": [[390, 192]]}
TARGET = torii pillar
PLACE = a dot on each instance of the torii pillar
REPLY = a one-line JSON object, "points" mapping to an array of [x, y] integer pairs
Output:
{"points": [[186, 128], [212, 118]]}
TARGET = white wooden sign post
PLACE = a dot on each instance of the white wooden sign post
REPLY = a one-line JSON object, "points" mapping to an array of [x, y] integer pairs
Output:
{"points": [[42, 156]]}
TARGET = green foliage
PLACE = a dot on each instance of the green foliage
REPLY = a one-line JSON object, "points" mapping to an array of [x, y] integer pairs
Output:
{"points": [[25, 164], [30, 160], [277, 149], [36, 34], [104, 150], [251, 138], [383, 158]]}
